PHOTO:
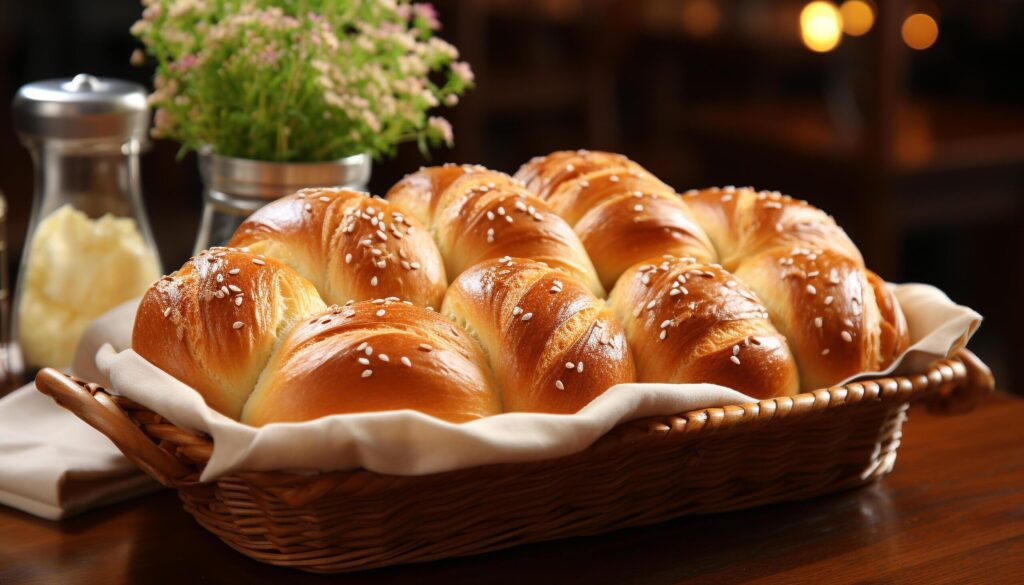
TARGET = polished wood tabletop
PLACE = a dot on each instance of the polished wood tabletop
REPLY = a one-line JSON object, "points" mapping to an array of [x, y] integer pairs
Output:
{"points": [[951, 512]]}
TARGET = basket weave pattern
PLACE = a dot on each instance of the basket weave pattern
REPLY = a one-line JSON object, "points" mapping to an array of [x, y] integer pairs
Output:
{"points": [[641, 472]]}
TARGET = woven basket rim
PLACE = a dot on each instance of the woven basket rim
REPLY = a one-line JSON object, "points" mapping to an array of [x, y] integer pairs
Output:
{"points": [[189, 451]]}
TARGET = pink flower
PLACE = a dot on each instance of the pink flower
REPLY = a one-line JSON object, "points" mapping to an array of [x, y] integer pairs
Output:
{"points": [[185, 63], [428, 14], [442, 127], [268, 56], [463, 70]]}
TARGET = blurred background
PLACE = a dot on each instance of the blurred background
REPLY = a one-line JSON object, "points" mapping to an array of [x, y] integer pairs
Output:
{"points": [[904, 119]]}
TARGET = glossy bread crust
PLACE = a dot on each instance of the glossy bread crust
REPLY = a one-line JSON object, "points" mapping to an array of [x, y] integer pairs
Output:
{"points": [[212, 323], [374, 356], [552, 344], [350, 245], [692, 322]]}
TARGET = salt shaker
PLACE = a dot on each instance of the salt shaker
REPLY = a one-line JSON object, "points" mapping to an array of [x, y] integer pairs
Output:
{"points": [[89, 245]]}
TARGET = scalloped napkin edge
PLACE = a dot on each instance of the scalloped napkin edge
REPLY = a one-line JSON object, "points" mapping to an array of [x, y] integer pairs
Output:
{"points": [[406, 442]]}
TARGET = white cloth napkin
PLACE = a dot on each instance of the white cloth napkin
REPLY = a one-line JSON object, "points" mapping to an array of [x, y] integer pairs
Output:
{"points": [[52, 464], [410, 443]]}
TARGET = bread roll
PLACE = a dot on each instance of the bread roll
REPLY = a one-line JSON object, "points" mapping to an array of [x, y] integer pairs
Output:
{"points": [[373, 356], [622, 214], [628, 228], [419, 193], [840, 319], [693, 322], [480, 219], [543, 174], [212, 324], [743, 223], [351, 246], [552, 345]]}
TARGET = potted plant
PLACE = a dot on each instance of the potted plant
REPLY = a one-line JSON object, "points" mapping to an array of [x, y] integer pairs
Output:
{"points": [[276, 95]]}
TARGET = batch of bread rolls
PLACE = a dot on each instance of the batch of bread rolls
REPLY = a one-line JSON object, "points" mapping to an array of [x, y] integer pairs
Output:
{"points": [[468, 292]]}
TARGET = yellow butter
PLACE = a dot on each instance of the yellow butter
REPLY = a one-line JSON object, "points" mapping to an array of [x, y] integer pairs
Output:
{"points": [[78, 268]]}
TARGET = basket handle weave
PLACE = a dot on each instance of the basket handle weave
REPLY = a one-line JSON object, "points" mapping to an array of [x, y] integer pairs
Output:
{"points": [[93, 405], [965, 395]]}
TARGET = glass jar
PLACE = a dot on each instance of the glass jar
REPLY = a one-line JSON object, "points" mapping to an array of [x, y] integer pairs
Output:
{"points": [[235, 187], [89, 246]]}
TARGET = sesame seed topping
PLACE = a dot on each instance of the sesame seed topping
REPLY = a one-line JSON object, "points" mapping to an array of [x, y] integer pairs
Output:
{"points": [[238, 301], [490, 215], [384, 357], [570, 366], [638, 208], [811, 290], [167, 312], [663, 334], [825, 351], [516, 311], [380, 313], [258, 262], [325, 199], [734, 359], [846, 336], [237, 325], [363, 361], [818, 322], [373, 281], [651, 304], [559, 385], [367, 373], [735, 350], [665, 324], [405, 361], [368, 350], [362, 346], [348, 258], [414, 265], [426, 347], [579, 367], [526, 317], [234, 271]]}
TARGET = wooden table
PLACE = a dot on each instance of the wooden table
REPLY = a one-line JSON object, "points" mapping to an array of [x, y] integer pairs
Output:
{"points": [[951, 512]]}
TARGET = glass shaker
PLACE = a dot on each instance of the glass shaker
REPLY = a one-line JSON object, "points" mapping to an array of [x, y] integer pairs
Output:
{"points": [[89, 246]]}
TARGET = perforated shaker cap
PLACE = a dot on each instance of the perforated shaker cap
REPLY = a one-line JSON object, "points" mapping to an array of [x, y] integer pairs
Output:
{"points": [[82, 108]]}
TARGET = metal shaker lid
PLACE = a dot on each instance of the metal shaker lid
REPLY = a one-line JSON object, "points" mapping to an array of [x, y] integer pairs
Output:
{"points": [[83, 108]]}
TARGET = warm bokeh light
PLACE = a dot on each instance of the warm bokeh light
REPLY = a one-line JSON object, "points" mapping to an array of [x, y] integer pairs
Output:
{"points": [[920, 31], [821, 26], [701, 17], [858, 17]]}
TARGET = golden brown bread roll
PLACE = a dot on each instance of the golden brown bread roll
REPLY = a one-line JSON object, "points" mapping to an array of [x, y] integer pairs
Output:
{"points": [[693, 322], [743, 223], [212, 324], [622, 214], [543, 174], [839, 318], [374, 356], [419, 193], [480, 214], [351, 246], [552, 344]]}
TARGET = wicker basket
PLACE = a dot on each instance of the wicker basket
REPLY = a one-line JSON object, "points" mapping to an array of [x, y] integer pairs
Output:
{"points": [[641, 472]]}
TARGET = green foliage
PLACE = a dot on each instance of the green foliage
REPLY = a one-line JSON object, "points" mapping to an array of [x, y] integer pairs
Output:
{"points": [[299, 80]]}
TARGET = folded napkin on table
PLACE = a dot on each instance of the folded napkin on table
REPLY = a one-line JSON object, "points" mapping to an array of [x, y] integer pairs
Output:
{"points": [[52, 464]]}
